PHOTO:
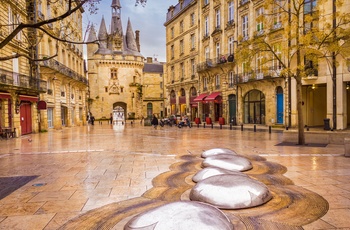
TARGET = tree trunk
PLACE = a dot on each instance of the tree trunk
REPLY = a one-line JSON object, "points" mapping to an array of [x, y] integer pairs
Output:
{"points": [[301, 133]]}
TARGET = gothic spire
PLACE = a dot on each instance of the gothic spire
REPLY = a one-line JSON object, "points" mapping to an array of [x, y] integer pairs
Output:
{"points": [[116, 22], [130, 38], [102, 34], [92, 34]]}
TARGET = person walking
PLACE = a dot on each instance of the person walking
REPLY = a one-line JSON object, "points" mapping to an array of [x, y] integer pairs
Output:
{"points": [[154, 121]]}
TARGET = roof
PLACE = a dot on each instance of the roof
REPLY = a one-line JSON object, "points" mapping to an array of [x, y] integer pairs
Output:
{"points": [[153, 68]]}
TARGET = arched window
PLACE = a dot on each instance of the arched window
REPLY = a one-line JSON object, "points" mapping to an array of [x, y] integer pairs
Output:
{"points": [[254, 107]]}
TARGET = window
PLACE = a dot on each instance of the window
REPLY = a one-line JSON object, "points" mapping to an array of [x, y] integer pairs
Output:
{"points": [[231, 9], [245, 27], [277, 16], [172, 51], [309, 15], [218, 53], [14, 20], [182, 68], [231, 79], [161, 85], [181, 47], [230, 45], [192, 19], [276, 64], [172, 32], [207, 54], [193, 67], [259, 66], [193, 42], [311, 65], [172, 74], [217, 18], [181, 26], [205, 83], [259, 20], [114, 74], [206, 2], [206, 26], [217, 81]]}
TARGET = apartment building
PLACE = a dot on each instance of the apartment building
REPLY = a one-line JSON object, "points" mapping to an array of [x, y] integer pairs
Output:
{"points": [[260, 86], [62, 67], [20, 84]]}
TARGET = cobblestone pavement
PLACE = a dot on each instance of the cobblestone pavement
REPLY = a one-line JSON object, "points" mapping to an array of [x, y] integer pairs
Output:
{"points": [[49, 178]]}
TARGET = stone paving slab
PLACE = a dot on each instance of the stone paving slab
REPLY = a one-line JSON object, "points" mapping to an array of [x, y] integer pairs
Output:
{"points": [[86, 168]]}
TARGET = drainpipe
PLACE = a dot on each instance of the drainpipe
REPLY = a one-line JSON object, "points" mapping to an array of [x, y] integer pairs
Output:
{"points": [[334, 77]]}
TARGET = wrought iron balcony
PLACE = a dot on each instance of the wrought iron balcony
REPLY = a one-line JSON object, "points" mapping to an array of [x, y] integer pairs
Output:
{"points": [[59, 67], [22, 81], [272, 72], [215, 62]]}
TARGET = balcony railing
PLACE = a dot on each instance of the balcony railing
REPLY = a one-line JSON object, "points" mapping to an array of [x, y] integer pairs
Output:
{"points": [[21, 80], [59, 67], [215, 62], [257, 75]]}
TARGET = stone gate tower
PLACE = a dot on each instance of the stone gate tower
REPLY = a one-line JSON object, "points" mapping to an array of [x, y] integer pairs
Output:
{"points": [[115, 68]]}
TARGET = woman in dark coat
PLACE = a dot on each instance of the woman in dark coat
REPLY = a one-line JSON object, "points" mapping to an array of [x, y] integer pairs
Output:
{"points": [[154, 121]]}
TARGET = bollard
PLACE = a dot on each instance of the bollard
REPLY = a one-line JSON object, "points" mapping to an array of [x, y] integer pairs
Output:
{"points": [[212, 125], [230, 126], [254, 128], [287, 127], [269, 129], [241, 127], [198, 125], [203, 125], [220, 126]]}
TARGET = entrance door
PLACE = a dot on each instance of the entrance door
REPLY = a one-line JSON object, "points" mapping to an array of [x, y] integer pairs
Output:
{"points": [[280, 107], [232, 108], [26, 118]]}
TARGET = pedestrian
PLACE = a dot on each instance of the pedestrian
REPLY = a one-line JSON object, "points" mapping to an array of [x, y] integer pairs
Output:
{"points": [[154, 121], [141, 119], [92, 118]]}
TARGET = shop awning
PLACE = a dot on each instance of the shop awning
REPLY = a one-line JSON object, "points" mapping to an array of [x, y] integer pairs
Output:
{"points": [[28, 98], [212, 96], [200, 98], [5, 95]]}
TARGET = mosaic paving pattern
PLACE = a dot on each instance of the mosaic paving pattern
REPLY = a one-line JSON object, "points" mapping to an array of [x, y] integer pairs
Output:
{"points": [[290, 208]]}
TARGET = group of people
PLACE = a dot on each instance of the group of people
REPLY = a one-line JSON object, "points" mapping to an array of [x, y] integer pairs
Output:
{"points": [[90, 119]]}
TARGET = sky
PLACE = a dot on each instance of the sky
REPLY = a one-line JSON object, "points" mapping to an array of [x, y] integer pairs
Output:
{"points": [[148, 19]]}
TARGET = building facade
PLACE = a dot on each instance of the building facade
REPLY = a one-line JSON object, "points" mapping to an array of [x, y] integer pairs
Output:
{"points": [[257, 89], [115, 70], [153, 89], [62, 67], [45, 86], [20, 84]]}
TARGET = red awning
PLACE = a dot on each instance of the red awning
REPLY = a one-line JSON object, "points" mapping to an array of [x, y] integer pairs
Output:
{"points": [[212, 96], [5, 95], [28, 98], [200, 98], [42, 105]]}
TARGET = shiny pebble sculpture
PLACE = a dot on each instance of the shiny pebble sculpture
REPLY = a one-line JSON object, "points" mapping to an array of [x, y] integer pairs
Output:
{"points": [[213, 171], [181, 215], [217, 151], [228, 162], [230, 192]]}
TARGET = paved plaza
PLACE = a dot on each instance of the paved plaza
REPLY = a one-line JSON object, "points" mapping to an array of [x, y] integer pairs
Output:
{"points": [[81, 177]]}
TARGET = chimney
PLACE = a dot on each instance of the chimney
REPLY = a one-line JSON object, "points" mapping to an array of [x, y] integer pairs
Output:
{"points": [[137, 33], [149, 60]]}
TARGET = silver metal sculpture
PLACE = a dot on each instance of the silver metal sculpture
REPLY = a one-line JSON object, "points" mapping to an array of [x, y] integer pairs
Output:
{"points": [[217, 151], [228, 162], [181, 215], [213, 171], [231, 192]]}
